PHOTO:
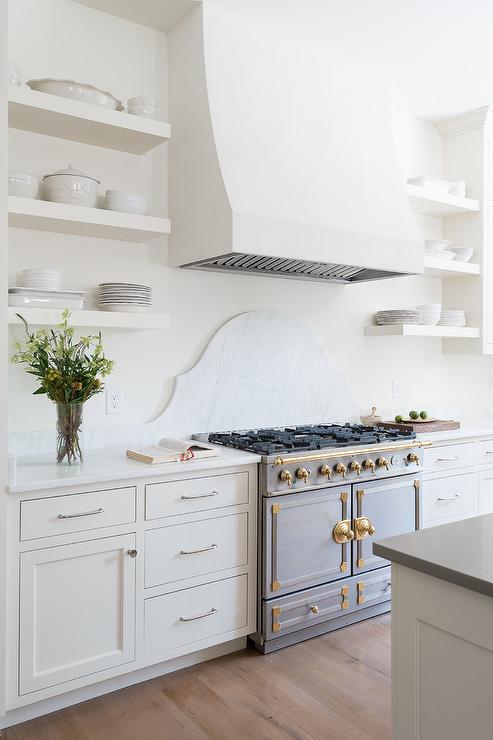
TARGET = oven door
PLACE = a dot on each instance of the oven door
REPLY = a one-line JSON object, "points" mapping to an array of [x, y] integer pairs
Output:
{"points": [[299, 549], [381, 509]]}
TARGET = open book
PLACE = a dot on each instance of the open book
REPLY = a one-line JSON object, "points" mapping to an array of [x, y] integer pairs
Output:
{"points": [[173, 450]]}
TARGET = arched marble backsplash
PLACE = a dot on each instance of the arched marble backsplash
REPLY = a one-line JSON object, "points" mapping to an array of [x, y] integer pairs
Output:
{"points": [[261, 368]]}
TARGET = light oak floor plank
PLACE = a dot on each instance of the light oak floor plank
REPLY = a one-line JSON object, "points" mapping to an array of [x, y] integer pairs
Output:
{"points": [[334, 687]]}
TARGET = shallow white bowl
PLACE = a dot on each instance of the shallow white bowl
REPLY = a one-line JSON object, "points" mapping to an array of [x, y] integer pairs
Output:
{"points": [[141, 106], [23, 185], [76, 91], [463, 254]]}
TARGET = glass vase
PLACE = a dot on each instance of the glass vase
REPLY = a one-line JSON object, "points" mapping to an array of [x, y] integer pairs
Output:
{"points": [[69, 421]]}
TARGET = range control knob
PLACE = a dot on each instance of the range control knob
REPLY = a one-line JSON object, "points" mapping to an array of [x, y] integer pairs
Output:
{"points": [[369, 465], [382, 463], [302, 474], [413, 457], [326, 470], [341, 469], [286, 477], [355, 467]]}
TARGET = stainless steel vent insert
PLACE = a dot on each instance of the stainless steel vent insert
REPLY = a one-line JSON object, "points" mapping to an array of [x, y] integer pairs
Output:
{"points": [[299, 269]]}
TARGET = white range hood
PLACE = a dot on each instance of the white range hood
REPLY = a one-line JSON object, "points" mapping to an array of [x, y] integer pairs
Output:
{"points": [[282, 161]]}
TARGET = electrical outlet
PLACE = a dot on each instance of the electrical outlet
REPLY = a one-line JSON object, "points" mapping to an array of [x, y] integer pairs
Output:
{"points": [[396, 389], [114, 401]]}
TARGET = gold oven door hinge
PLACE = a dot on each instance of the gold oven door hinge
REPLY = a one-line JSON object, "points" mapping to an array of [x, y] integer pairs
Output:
{"points": [[360, 587], [345, 597], [276, 613]]}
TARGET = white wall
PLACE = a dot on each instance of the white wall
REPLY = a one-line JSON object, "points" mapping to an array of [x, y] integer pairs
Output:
{"points": [[50, 39]]}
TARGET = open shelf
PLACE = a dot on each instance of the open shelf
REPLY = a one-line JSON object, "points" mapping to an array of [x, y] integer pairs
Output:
{"points": [[90, 319], [419, 330], [427, 202], [449, 268], [41, 113], [27, 213]]}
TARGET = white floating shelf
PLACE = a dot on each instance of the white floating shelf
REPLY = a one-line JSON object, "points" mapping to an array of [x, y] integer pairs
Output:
{"points": [[27, 213], [449, 268], [430, 203], [41, 113], [418, 330], [90, 319]]}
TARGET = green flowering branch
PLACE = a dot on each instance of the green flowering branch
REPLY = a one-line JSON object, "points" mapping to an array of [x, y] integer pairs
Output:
{"points": [[69, 370]]}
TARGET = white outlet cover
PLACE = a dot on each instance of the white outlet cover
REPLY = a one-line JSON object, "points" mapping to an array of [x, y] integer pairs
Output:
{"points": [[114, 401]]}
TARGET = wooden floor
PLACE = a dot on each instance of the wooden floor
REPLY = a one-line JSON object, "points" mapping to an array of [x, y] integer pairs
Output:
{"points": [[335, 687]]}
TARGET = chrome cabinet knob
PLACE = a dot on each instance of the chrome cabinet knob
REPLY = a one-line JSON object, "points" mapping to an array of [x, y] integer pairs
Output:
{"points": [[132, 553], [341, 469], [302, 474]]}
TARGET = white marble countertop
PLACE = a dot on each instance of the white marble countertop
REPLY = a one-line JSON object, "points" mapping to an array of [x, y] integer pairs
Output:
{"points": [[41, 472], [470, 429]]}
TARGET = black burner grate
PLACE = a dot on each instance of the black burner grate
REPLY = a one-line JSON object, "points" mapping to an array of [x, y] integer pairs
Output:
{"points": [[272, 441]]}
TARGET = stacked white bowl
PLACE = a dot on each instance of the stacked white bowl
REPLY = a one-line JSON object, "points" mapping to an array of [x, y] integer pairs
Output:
{"points": [[41, 279], [124, 297], [438, 248], [117, 200], [430, 313], [462, 254], [452, 317], [398, 316]]}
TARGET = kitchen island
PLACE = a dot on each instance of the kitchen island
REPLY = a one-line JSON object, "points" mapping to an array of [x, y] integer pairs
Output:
{"points": [[442, 637]]}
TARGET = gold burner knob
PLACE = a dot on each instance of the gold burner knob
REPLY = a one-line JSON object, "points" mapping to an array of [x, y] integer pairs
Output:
{"points": [[302, 474], [369, 465], [286, 477], [413, 457], [326, 470], [383, 463], [313, 608], [355, 467], [342, 532], [340, 469]]}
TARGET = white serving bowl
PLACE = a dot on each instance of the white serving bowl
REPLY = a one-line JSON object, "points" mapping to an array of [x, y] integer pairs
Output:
{"points": [[141, 106], [462, 254], [34, 278], [23, 185], [71, 186], [436, 245], [76, 91], [116, 200], [430, 313]]}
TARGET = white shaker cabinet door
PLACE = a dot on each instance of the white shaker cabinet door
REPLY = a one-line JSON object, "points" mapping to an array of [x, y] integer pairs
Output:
{"points": [[77, 610]]}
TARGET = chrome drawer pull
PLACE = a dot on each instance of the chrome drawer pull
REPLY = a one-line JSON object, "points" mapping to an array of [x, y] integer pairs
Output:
{"points": [[199, 616], [201, 495], [202, 549], [447, 459], [82, 513], [489, 452], [450, 498]]}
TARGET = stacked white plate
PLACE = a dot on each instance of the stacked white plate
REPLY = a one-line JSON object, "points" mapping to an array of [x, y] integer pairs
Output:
{"points": [[463, 254], [41, 279], [437, 248], [452, 317], [124, 297], [398, 317]]}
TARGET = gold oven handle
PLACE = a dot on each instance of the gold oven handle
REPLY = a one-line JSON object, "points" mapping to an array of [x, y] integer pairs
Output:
{"points": [[363, 527], [342, 532]]}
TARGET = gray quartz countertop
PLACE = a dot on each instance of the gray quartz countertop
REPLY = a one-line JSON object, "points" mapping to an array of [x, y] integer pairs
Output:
{"points": [[461, 552]]}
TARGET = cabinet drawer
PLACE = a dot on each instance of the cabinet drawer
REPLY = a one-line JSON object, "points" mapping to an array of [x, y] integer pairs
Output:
{"points": [[450, 497], [194, 549], [449, 457], [195, 494], [195, 614], [485, 452], [486, 492], [314, 605], [47, 517]]}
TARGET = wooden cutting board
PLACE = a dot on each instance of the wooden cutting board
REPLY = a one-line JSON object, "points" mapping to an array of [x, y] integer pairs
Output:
{"points": [[422, 427]]}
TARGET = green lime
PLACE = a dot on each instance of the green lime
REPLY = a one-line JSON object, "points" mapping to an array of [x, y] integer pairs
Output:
{"points": [[398, 419], [423, 414], [413, 415]]}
